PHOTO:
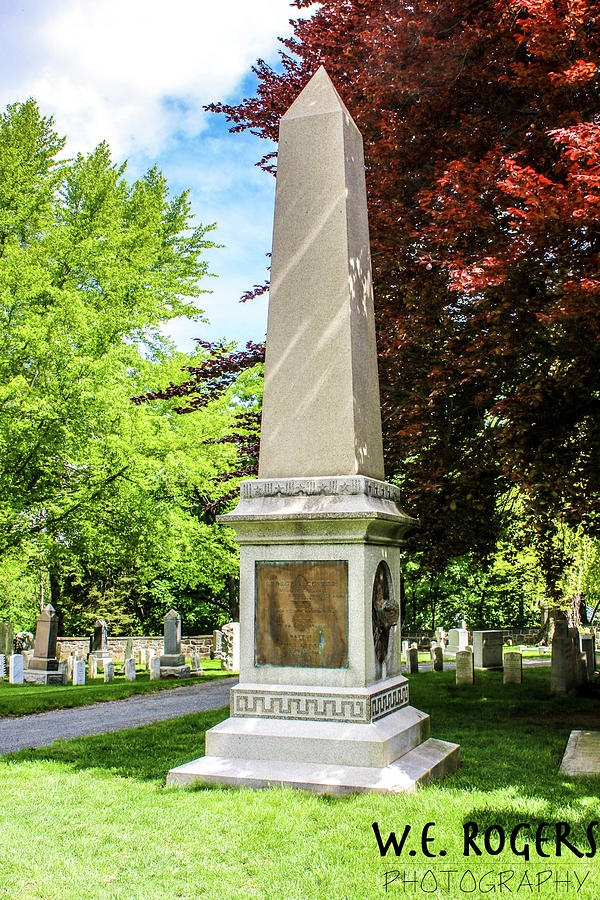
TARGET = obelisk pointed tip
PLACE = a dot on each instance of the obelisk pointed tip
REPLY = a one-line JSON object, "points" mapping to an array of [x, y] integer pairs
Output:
{"points": [[317, 97]]}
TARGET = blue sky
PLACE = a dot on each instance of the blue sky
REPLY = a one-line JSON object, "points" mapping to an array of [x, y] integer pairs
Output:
{"points": [[137, 73]]}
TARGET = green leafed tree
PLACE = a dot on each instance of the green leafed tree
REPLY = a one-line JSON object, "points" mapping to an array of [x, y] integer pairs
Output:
{"points": [[100, 498]]}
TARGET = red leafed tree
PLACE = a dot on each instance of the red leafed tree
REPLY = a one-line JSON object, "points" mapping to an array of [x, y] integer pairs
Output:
{"points": [[481, 124]]}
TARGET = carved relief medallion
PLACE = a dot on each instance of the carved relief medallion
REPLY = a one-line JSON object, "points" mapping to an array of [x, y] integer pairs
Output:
{"points": [[385, 611]]}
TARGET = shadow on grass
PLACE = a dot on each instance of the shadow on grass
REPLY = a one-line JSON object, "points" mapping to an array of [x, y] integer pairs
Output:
{"points": [[145, 753], [511, 736]]}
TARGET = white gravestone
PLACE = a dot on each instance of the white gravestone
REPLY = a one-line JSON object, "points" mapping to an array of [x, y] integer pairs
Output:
{"points": [[109, 671], [130, 670], [16, 668], [458, 639], [79, 672], [93, 666], [154, 666], [2, 665], [487, 649]]}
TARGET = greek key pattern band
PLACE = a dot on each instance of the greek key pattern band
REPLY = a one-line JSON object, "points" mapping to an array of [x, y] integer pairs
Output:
{"points": [[361, 708], [300, 706], [389, 701]]}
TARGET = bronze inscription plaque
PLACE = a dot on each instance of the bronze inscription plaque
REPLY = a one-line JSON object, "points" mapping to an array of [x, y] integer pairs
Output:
{"points": [[302, 613]]}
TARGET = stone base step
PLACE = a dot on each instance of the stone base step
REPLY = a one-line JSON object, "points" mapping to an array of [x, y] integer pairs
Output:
{"points": [[431, 760], [35, 676], [376, 744]]}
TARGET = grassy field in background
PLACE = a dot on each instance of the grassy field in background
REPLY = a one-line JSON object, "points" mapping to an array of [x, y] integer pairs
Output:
{"points": [[23, 699], [91, 817]]}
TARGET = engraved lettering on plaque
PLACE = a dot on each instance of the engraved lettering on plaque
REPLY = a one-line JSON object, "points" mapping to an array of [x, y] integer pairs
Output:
{"points": [[302, 613]]}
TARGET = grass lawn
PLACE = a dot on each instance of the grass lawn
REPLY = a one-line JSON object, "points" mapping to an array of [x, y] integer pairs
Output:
{"points": [[91, 817], [22, 699]]}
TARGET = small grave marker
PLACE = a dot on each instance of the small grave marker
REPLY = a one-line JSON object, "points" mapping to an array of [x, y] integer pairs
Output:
{"points": [[16, 669], [513, 667], [464, 667], [79, 672], [130, 670]]}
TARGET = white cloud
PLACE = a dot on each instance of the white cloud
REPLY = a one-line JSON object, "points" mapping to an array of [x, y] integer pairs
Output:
{"points": [[134, 72]]}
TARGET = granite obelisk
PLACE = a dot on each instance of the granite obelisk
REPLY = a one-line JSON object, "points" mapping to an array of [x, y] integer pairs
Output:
{"points": [[321, 329], [322, 703]]}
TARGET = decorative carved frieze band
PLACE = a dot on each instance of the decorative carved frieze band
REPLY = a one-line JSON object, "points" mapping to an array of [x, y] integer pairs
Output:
{"points": [[361, 708], [309, 487], [386, 702]]}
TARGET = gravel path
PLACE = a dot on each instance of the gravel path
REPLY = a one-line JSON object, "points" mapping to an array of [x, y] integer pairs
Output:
{"points": [[41, 729]]}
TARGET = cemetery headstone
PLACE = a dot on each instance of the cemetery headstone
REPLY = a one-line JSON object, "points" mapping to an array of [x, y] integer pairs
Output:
{"points": [[319, 598], [464, 667], [70, 661], [413, 661], [154, 668], [458, 638], [43, 666], [78, 671], [563, 676], [172, 662], [63, 669], [93, 666], [128, 652], [196, 663], [99, 642], [513, 667], [130, 670], [217, 645], [438, 659], [441, 636], [487, 649], [2, 665], [109, 671], [16, 668], [404, 651]]}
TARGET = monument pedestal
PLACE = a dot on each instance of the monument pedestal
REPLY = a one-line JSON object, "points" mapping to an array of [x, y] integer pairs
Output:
{"points": [[43, 671], [175, 672], [321, 703]]}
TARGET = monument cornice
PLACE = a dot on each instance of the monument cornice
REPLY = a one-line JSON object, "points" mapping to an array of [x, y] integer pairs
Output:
{"points": [[330, 485], [349, 508]]}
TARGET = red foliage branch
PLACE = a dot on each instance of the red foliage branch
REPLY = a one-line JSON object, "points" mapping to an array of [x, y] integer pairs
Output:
{"points": [[482, 147]]}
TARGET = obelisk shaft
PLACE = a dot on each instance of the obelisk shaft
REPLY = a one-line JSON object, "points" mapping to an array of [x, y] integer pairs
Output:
{"points": [[321, 410]]}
